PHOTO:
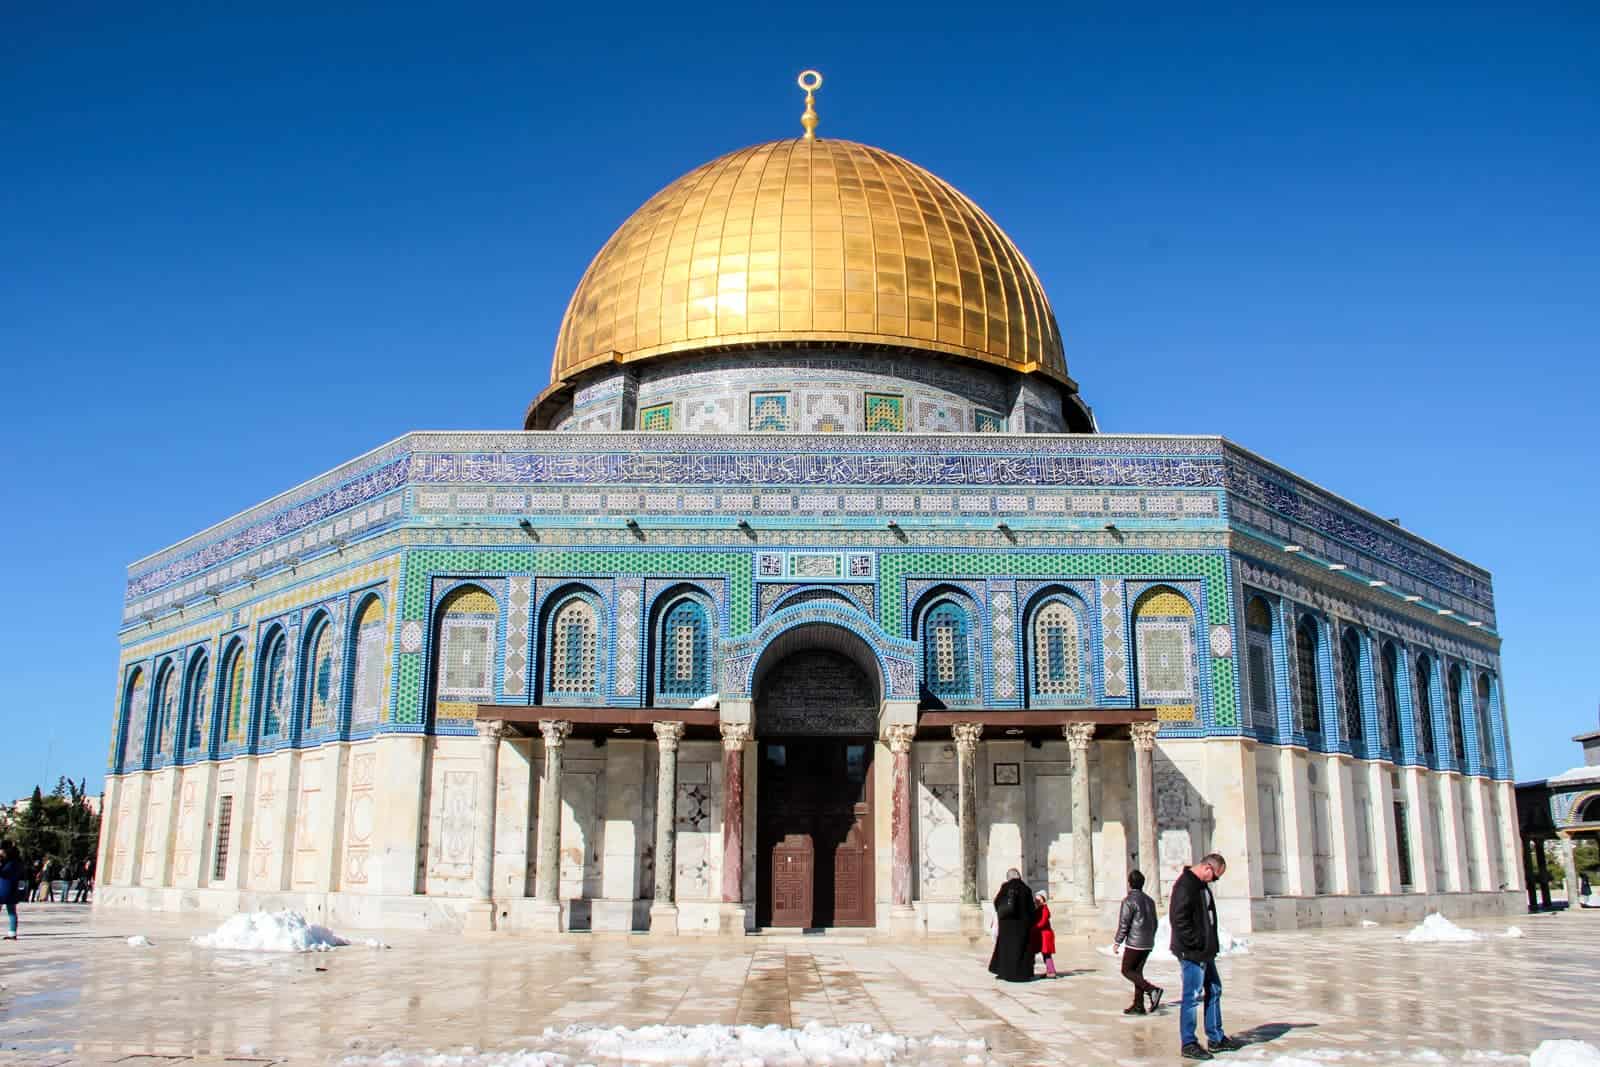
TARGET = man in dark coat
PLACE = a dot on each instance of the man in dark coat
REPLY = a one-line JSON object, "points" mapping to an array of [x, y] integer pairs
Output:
{"points": [[1014, 915], [1193, 915]]}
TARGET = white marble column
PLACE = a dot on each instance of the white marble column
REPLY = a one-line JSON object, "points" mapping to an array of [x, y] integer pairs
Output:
{"points": [[1511, 846], [1452, 835], [966, 736], [1078, 735], [1385, 850], [547, 872], [1344, 835], [664, 912], [1419, 825], [480, 913], [1477, 831], [1144, 777]]}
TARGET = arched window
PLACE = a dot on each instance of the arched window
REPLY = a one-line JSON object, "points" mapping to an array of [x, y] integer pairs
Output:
{"points": [[684, 655], [1164, 648], [574, 649], [166, 707], [1307, 682], [1350, 679], [133, 714], [1458, 719], [1258, 665], [464, 670], [1389, 696], [319, 681], [274, 695], [946, 664], [1424, 707], [1056, 637], [197, 711], [1481, 711], [366, 699], [232, 695]]}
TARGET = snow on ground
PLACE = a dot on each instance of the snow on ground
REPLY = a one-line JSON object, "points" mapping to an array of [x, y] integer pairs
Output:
{"points": [[139, 941], [1512, 931], [709, 1045], [1437, 928], [1368, 922], [1565, 1054], [1548, 1054], [271, 931], [1228, 944]]}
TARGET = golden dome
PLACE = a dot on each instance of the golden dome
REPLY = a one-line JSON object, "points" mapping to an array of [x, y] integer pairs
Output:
{"points": [[809, 241]]}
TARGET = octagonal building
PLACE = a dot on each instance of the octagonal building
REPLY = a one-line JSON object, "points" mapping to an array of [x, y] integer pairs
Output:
{"points": [[809, 595]]}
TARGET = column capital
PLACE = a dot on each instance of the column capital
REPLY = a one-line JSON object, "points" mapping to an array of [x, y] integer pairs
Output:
{"points": [[899, 736], [735, 735], [668, 734], [966, 735], [555, 731], [491, 729], [1144, 735], [1078, 735]]}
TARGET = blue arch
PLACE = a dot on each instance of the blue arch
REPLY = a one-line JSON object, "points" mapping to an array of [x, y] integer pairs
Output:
{"points": [[231, 659], [352, 637], [895, 658], [193, 746], [275, 640], [1074, 602], [550, 606]]}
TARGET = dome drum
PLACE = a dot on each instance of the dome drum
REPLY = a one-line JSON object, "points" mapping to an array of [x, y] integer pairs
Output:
{"points": [[810, 388]]}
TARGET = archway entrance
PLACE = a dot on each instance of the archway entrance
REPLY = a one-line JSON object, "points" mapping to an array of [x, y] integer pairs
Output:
{"points": [[816, 723]]}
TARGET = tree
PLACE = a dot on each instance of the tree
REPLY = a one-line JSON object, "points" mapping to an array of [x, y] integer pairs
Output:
{"points": [[60, 827]]}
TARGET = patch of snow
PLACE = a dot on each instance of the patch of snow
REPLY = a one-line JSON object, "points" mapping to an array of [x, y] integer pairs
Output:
{"points": [[271, 931], [1512, 931], [736, 1046], [1411, 1057], [139, 941], [1436, 928], [1228, 945], [1565, 1054], [1368, 922]]}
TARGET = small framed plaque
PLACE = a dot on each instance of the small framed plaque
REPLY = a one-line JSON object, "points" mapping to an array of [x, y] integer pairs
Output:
{"points": [[1008, 774]]}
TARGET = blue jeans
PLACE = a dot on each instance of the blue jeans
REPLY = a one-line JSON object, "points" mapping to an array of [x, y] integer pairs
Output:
{"points": [[1200, 982]]}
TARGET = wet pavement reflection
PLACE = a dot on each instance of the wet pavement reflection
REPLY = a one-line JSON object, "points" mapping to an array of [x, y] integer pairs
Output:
{"points": [[74, 991]]}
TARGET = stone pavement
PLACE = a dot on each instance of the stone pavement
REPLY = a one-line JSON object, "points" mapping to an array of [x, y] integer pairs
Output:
{"points": [[74, 991]]}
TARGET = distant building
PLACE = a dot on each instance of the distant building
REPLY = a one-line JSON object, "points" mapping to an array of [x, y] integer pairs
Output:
{"points": [[1565, 808], [809, 594]]}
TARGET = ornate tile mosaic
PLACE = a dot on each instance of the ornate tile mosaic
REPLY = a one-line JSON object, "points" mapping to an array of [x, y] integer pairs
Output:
{"points": [[885, 413]]}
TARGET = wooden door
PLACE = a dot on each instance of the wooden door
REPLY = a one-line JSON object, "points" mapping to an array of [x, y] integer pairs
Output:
{"points": [[793, 878], [815, 819]]}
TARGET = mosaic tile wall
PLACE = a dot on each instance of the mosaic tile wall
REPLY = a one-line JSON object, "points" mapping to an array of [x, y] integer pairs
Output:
{"points": [[813, 393], [1110, 517]]}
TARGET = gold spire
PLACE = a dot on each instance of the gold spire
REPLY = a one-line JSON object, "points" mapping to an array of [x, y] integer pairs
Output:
{"points": [[810, 81]]}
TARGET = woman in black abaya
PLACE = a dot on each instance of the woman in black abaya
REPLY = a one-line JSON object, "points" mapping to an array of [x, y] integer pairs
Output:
{"points": [[1013, 949]]}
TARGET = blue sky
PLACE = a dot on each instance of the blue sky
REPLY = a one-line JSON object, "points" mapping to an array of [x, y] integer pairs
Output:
{"points": [[242, 243]]}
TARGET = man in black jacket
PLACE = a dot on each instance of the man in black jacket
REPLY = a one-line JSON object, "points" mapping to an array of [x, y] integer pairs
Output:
{"points": [[1014, 913], [1193, 915]]}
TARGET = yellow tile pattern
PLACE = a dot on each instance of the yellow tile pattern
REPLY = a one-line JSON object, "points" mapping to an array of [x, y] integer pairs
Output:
{"points": [[810, 240]]}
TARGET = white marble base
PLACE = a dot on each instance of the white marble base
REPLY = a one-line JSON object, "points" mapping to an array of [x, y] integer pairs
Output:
{"points": [[664, 919]]}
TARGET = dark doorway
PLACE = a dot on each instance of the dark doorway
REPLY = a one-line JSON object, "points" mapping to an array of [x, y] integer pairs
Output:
{"points": [[814, 840]]}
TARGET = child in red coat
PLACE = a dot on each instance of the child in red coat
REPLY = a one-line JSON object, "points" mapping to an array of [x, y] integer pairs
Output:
{"points": [[1044, 937]]}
